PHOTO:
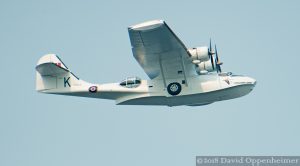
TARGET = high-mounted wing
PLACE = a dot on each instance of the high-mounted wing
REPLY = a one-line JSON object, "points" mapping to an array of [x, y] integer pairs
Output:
{"points": [[159, 51]]}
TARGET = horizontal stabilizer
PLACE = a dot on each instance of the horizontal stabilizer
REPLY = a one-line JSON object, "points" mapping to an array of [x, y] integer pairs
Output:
{"points": [[50, 65], [50, 69]]}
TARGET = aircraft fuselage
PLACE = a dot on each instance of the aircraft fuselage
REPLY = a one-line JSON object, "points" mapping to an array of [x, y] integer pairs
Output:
{"points": [[198, 90]]}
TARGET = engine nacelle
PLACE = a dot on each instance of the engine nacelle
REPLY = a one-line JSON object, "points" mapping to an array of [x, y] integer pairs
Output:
{"points": [[205, 67], [199, 53]]}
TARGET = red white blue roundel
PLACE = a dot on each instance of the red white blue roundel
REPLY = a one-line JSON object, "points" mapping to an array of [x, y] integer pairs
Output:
{"points": [[93, 89]]}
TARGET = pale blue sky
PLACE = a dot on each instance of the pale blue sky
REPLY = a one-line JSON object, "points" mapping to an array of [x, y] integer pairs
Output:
{"points": [[256, 38]]}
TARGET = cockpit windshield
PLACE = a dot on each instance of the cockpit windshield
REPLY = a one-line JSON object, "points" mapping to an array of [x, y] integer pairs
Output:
{"points": [[131, 82]]}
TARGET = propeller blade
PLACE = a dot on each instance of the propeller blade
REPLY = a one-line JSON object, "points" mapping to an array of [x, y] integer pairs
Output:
{"points": [[216, 51], [210, 52], [210, 49], [212, 62], [219, 68], [217, 61]]}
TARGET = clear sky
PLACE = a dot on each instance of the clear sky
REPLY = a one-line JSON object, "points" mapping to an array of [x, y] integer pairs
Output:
{"points": [[255, 38]]}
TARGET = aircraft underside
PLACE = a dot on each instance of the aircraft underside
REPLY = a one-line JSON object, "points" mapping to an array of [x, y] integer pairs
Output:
{"points": [[195, 99]]}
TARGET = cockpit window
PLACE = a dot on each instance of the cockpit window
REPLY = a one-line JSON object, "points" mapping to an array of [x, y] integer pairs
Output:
{"points": [[131, 82]]}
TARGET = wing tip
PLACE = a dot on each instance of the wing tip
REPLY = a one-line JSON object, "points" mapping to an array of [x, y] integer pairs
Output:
{"points": [[148, 25]]}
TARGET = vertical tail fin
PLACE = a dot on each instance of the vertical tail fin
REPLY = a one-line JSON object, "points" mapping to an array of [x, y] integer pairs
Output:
{"points": [[52, 75]]}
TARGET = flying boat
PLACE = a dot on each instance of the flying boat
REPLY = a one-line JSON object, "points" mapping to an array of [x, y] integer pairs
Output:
{"points": [[177, 75]]}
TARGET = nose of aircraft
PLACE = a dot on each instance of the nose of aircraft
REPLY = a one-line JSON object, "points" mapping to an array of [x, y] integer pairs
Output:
{"points": [[252, 80]]}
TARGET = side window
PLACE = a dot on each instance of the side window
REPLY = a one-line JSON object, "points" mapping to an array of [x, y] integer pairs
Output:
{"points": [[130, 82], [123, 83]]}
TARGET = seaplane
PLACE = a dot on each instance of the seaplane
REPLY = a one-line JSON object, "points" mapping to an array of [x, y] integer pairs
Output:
{"points": [[177, 75]]}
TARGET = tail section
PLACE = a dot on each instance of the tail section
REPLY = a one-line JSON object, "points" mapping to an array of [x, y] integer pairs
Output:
{"points": [[53, 76]]}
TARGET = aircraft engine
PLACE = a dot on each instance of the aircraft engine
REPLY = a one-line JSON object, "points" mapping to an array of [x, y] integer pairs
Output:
{"points": [[205, 67], [199, 53]]}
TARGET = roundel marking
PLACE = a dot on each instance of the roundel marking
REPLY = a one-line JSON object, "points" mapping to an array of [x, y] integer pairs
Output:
{"points": [[93, 89]]}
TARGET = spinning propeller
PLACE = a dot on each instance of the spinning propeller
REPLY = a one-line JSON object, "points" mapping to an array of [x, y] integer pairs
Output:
{"points": [[211, 53], [213, 61], [217, 61]]}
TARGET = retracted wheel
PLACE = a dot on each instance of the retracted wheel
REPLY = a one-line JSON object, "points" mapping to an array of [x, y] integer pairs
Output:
{"points": [[174, 88]]}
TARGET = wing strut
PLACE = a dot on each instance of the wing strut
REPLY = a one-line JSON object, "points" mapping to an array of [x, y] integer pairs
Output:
{"points": [[183, 68], [162, 71]]}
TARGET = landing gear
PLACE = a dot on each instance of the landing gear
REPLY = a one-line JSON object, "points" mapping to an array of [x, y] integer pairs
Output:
{"points": [[174, 88]]}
